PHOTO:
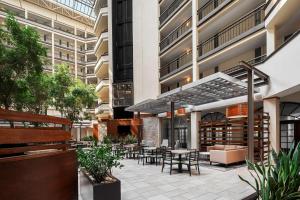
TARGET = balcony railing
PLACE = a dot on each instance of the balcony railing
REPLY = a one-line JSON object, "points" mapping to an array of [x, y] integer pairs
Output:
{"points": [[167, 12], [208, 8], [232, 31], [166, 88], [179, 31], [177, 63], [271, 4]]}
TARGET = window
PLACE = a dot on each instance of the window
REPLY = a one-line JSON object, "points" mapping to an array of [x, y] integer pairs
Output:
{"points": [[60, 54], [68, 56], [216, 69], [45, 38], [60, 42], [201, 75], [67, 44]]}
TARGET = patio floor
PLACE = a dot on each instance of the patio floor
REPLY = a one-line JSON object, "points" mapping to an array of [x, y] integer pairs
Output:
{"points": [[148, 183]]}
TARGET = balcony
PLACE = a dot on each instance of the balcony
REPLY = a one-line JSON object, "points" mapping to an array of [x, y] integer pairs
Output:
{"points": [[102, 107], [101, 61], [209, 7], [103, 37], [65, 59], [177, 34], [102, 84], [271, 4], [243, 27], [174, 6], [176, 65]]}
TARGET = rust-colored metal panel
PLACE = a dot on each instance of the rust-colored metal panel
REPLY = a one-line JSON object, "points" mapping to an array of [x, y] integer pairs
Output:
{"points": [[51, 176], [239, 110]]}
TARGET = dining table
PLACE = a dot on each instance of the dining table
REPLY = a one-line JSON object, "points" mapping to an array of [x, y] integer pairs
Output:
{"points": [[180, 153], [151, 150]]}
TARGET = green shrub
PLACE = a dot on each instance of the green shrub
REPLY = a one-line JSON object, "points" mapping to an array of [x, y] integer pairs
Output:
{"points": [[279, 179], [130, 139], [98, 162]]}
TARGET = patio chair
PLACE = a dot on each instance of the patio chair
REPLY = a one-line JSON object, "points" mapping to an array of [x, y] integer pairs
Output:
{"points": [[168, 159], [165, 143], [158, 155], [192, 160], [142, 156]]}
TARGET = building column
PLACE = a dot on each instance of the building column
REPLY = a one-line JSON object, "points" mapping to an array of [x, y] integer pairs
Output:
{"points": [[53, 54], [195, 119], [195, 40], [76, 62], [271, 40], [272, 106], [26, 14]]}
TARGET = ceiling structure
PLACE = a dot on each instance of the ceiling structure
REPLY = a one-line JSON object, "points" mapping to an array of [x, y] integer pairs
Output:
{"points": [[84, 6]]}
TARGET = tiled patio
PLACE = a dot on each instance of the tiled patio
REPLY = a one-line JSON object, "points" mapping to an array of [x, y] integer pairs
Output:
{"points": [[148, 183]]}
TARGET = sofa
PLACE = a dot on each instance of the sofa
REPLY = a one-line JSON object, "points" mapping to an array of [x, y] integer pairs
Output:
{"points": [[227, 154]]}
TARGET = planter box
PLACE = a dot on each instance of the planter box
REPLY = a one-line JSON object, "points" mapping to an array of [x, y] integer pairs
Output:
{"points": [[95, 191], [251, 197]]}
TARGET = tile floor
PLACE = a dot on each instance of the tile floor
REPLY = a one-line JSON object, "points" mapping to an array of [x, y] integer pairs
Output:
{"points": [[148, 183]]}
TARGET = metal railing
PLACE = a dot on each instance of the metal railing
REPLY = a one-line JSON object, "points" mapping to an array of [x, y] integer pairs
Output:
{"points": [[208, 8], [270, 5], [166, 88], [168, 11], [175, 64], [175, 34], [242, 25]]}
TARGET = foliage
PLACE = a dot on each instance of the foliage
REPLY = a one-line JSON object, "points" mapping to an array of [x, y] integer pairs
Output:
{"points": [[130, 139], [99, 161], [91, 139], [21, 56], [70, 97], [280, 179]]}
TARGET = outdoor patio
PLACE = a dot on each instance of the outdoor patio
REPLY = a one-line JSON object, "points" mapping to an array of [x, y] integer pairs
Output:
{"points": [[148, 183]]}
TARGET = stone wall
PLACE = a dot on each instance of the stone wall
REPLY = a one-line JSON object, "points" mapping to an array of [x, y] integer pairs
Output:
{"points": [[151, 129]]}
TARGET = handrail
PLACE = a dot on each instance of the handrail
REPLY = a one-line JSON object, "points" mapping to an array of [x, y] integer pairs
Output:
{"points": [[235, 29], [176, 33], [270, 5], [176, 63], [208, 7], [170, 9]]}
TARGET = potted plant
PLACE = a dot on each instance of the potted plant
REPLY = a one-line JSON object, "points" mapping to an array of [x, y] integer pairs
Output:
{"points": [[278, 179], [97, 181]]}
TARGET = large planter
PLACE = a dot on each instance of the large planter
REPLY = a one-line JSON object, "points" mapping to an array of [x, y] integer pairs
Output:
{"points": [[251, 197], [96, 191]]}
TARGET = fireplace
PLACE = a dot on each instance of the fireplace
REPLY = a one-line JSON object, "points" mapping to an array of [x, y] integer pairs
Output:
{"points": [[124, 130]]}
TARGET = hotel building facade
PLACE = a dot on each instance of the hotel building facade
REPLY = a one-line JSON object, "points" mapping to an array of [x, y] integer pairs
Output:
{"points": [[200, 46]]}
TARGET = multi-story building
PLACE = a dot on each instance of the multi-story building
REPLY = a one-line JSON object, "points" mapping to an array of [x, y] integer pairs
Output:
{"points": [[67, 33], [203, 41]]}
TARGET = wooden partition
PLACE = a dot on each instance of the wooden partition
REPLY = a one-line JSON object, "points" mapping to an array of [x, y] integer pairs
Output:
{"points": [[36, 161], [234, 132]]}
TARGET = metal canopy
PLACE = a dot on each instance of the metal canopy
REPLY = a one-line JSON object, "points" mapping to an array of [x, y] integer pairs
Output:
{"points": [[213, 88], [86, 7]]}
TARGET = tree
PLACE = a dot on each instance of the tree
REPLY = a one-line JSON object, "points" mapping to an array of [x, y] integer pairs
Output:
{"points": [[70, 97], [21, 54]]}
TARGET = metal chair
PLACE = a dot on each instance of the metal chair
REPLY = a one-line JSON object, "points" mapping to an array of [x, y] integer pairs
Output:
{"points": [[168, 159], [192, 160]]}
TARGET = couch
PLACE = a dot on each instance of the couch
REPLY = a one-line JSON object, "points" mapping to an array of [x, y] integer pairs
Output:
{"points": [[227, 154]]}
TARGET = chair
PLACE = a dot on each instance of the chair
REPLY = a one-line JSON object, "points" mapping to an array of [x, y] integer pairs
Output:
{"points": [[192, 160], [158, 155], [168, 159], [143, 155], [165, 143]]}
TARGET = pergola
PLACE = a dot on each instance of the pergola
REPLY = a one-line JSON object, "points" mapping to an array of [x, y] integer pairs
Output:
{"points": [[213, 88]]}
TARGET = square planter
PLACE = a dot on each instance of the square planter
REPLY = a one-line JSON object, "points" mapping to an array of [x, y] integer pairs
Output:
{"points": [[96, 191]]}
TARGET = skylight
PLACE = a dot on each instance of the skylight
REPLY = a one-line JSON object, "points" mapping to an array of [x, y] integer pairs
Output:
{"points": [[84, 6]]}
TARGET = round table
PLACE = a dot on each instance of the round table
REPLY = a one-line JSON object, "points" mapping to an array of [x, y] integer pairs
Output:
{"points": [[180, 152]]}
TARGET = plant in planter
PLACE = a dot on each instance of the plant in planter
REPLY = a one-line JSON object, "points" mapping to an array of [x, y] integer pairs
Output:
{"points": [[97, 181], [130, 139], [279, 179]]}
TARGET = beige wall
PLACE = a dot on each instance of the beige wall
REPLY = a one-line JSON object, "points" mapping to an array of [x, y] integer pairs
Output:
{"points": [[145, 49]]}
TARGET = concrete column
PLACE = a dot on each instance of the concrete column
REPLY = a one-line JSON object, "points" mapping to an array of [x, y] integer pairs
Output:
{"points": [[53, 54], [272, 106], [26, 14], [76, 62], [110, 55], [195, 118], [271, 40], [77, 133], [195, 40]]}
